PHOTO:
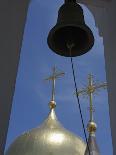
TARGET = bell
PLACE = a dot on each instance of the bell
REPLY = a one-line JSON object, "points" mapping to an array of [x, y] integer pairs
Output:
{"points": [[70, 29]]}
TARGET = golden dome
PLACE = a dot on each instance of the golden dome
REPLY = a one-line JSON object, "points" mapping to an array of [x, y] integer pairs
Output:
{"points": [[48, 139]]}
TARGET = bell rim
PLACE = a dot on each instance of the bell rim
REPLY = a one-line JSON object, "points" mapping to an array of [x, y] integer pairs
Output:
{"points": [[84, 26]]}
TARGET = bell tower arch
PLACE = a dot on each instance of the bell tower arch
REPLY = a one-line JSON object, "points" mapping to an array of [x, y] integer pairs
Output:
{"points": [[13, 17]]}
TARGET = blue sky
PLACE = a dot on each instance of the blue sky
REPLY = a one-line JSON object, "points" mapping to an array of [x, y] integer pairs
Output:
{"points": [[33, 93]]}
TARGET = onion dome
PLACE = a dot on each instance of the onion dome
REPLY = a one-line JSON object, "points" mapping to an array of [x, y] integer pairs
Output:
{"points": [[50, 138]]}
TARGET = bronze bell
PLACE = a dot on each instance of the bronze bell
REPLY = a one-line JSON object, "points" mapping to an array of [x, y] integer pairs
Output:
{"points": [[70, 29]]}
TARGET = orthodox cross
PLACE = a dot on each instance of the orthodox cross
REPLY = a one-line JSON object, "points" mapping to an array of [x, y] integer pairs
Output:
{"points": [[90, 90], [55, 75]]}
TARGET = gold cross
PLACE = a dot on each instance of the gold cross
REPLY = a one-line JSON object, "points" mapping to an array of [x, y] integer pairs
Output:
{"points": [[90, 90], [53, 78]]}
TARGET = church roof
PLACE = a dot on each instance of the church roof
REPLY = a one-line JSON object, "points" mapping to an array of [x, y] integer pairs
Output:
{"points": [[93, 147]]}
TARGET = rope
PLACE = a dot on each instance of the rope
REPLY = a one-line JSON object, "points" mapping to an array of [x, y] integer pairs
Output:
{"points": [[77, 96]]}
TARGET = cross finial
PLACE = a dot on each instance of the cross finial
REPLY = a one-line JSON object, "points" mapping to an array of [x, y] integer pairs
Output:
{"points": [[55, 75], [90, 90]]}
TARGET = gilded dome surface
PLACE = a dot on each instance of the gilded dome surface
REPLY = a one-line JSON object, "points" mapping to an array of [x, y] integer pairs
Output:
{"points": [[48, 139]]}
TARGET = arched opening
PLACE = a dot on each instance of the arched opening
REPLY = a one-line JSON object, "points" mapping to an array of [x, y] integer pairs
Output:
{"points": [[33, 94]]}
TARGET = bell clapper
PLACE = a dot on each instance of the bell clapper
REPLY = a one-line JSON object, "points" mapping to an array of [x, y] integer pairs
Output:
{"points": [[70, 45]]}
